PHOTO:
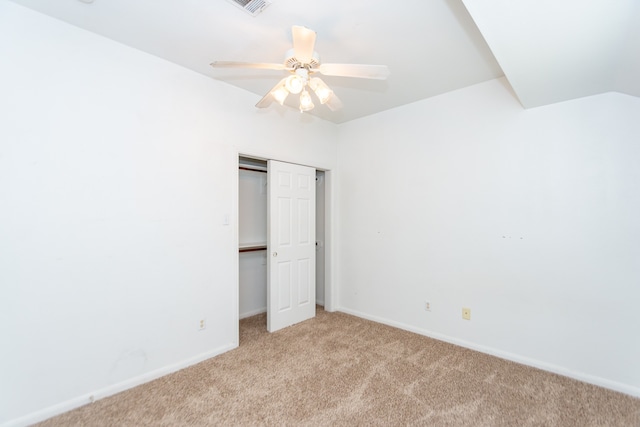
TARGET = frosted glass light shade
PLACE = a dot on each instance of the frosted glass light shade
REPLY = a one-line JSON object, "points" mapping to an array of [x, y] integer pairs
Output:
{"points": [[306, 103], [280, 94], [323, 92], [295, 83]]}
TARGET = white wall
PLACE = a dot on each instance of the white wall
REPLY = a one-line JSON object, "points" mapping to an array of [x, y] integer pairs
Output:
{"points": [[116, 172], [528, 217]]}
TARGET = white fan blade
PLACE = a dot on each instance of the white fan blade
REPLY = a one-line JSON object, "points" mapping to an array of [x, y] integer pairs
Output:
{"points": [[334, 103], [265, 101], [379, 72], [253, 65], [268, 98], [304, 41]]}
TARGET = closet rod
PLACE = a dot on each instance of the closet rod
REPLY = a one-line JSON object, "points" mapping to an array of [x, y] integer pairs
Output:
{"points": [[253, 249], [245, 168]]}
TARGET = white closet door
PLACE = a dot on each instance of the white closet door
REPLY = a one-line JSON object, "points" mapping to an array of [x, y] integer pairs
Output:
{"points": [[291, 291]]}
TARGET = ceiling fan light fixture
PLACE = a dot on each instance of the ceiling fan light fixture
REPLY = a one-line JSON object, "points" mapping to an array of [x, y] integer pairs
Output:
{"points": [[280, 94], [306, 103], [295, 84], [322, 91], [302, 62]]}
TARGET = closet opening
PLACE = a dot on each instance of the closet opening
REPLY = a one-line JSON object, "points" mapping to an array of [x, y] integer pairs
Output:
{"points": [[253, 251]]}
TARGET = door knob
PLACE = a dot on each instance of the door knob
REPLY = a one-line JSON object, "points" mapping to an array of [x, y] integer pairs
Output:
{"points": [[275, 254]]}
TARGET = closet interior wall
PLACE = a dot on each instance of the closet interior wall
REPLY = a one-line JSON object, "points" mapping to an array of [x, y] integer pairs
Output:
{"points": [[252, 236]]}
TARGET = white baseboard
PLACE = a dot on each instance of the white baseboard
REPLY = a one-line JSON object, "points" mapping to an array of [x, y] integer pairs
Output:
{"points": [[580, 376], [87, 398], [253, 313], [264, 310]]}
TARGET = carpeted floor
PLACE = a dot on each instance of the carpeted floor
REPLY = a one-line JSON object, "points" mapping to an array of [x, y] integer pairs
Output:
{"points": [[338, 369]]}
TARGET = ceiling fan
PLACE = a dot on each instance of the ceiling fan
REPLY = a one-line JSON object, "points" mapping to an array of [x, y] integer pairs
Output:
{"points": [[302, 64]]}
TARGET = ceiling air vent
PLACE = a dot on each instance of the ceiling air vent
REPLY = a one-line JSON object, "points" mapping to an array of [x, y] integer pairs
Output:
{"points": [[252, 7]]}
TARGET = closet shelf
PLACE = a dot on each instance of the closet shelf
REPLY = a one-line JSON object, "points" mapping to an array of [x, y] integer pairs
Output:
{"points": [[250, 247]]}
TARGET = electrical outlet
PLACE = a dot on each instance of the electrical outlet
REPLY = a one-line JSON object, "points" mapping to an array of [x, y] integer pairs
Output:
{"points": [[203, 324], [466, 313], [427, 305]]}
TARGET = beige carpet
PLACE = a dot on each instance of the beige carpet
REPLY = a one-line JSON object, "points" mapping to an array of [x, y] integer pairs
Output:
{"points": [[337, 369]]}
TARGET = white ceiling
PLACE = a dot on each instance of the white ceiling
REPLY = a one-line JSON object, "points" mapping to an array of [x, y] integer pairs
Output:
{"points": [[556, 50], [550, 50]]}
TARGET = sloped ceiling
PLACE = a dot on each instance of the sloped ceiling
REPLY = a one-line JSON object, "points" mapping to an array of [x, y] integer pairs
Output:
{"points": [[553, 51], [550, 51]]}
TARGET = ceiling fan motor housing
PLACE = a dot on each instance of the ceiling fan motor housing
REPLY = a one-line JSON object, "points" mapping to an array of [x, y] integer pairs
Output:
{"points": [[290, 61]]}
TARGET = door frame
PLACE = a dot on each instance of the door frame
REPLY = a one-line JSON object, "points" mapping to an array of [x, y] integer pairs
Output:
{"points": [[330, 195]]}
